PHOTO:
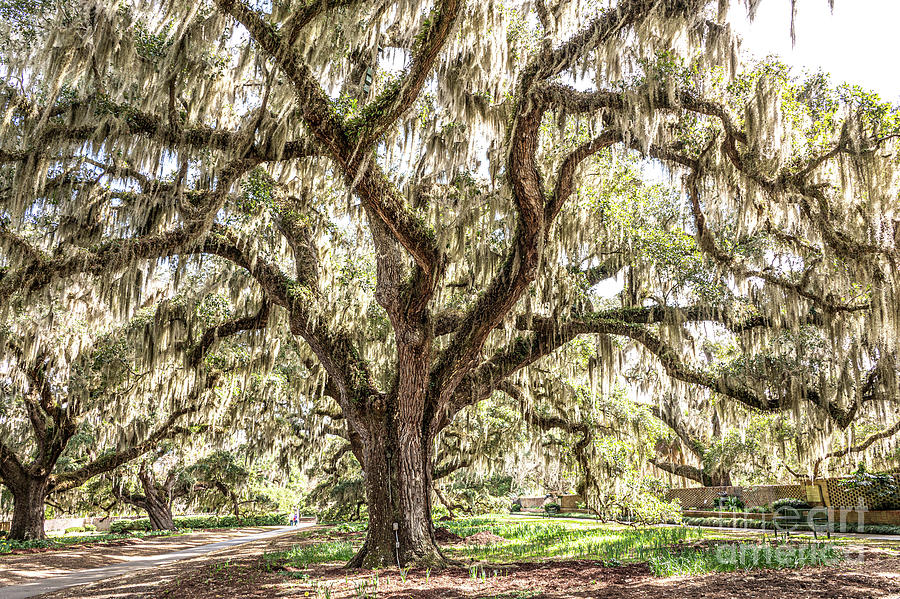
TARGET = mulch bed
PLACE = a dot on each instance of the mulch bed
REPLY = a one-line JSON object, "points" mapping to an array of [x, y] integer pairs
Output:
{"points": [[445, 537], [570, 579], [484, 538]]}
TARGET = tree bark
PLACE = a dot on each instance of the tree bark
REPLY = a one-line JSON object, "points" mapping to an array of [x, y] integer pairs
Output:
{"points": [[398, 483], [157, 499], [28, 509], [160, 513], [716, 478], [231, 496]]}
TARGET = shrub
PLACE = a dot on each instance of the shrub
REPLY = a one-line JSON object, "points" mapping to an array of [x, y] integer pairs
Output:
{"points": [[197, 522], [130, 525], [729, 503], [72, 529], [758, 509], [797, 504], [729, 523], [267, 520], [140, 524], [552, 508], [516, 506], [201, 522]]}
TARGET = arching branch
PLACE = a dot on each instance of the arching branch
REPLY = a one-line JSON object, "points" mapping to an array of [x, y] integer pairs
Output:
{"points": [[226, 329], [109, 462], [393, 102], [886, 433]]}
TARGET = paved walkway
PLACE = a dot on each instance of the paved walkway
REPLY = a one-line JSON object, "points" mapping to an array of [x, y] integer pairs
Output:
{"points": [[55, 583]]}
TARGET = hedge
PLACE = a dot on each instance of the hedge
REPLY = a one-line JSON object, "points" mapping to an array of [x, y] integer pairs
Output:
{"points": [[204, 522], [878, 529], [85, 528], [793, 502]]}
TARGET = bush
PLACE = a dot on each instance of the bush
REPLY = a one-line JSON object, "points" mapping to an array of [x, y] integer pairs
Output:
{"points": [[552, 508], [758, 509], [130, 525], [85, 528], [516, 506], [267, 520], [117, 526], [797, 504], [729, 523], [201, 522], [879, 529], [729, 503], [198, 522]]}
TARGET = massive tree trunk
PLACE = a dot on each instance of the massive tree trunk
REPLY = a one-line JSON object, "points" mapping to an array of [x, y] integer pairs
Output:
{"points": [[157, 500], [28, 509], [398, 482], [396, 460]]}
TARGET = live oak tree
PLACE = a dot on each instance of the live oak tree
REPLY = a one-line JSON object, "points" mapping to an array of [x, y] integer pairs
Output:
{"points": [[49, 403], [710, 472], [219, 479], [155, 494], [84, 397], [169, 476], [419, 190]]}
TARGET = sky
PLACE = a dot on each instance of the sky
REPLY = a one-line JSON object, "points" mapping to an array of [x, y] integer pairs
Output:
{"points": [[859, 43]]}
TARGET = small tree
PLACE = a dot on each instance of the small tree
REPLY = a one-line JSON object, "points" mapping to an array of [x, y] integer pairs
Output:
{"points": [[219, 473], [155, 496]]}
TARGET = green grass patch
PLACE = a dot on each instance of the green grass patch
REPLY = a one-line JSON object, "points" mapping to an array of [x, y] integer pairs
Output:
{"points": [[538, 539], [301, 556], [743, 556], [8, 545], [668, 550]]}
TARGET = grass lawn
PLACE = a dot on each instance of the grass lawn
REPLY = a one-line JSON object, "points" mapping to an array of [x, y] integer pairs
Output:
{"points": [[540, 558], [667, 551]]}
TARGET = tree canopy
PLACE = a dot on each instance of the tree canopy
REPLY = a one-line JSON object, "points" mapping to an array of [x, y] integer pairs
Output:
{"points": [[418, 199]]}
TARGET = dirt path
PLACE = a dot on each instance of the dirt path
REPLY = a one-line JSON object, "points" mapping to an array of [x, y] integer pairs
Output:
{"points": [[37, 564], [51, 571], [240, 576]]}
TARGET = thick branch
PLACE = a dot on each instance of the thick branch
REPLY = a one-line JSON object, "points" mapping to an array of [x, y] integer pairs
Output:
{"points": [[109, 462]]}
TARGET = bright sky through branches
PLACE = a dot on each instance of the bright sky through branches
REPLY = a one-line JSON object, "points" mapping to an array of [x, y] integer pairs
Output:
{"points": [[858, 43]]}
